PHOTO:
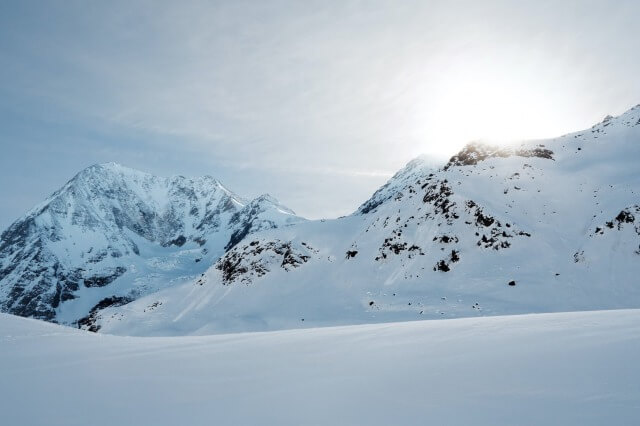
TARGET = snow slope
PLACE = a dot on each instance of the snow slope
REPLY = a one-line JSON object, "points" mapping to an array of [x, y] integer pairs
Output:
{"points": [[113, 234], [555, 369], [541, 226]]}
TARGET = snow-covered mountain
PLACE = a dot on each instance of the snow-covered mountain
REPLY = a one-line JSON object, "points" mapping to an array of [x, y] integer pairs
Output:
{"points": [[541, 226], [113, 234]]}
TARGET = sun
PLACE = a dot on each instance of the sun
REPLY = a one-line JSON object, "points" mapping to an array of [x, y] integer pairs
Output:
{"points": [[492, 105]]}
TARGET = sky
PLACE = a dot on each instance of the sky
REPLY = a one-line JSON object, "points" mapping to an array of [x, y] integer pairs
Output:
{"points": [[315, 102]]}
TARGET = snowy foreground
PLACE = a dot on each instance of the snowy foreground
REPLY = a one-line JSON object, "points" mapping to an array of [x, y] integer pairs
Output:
{"points": [[569, 368]]}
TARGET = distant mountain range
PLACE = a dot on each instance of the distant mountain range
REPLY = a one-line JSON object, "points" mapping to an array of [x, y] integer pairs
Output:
{"points": [[541, 226]]}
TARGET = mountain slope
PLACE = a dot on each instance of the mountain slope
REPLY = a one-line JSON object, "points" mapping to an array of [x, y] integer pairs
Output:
{"points": [[569, 369], [113, 234], [543, 226]]}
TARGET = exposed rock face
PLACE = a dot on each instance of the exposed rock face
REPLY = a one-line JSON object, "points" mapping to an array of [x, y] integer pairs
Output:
{"points": [[89, 322], [626, 223], [255, 259], [114, 232], [473, 153]]}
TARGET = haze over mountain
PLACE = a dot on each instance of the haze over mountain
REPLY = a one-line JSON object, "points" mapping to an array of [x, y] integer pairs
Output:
{"points": [[299, 96], [542, 226]]}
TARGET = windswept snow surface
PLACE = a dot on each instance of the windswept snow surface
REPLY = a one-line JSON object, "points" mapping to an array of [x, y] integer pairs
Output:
{"points": [[555, 369]]}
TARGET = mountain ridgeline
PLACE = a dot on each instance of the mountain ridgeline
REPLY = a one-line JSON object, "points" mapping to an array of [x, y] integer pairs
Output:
{"points": [[542, 226], [113, 234]]}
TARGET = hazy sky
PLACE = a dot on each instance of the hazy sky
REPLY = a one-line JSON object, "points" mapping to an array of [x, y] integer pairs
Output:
{"points": [[317, 103]]}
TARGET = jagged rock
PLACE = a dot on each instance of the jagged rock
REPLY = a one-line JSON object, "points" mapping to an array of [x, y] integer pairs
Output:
{"points": [[90, 321], [474, 153], [245, 262]]}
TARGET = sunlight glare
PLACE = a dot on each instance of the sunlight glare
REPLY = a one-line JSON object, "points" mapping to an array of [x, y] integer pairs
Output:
{"points": [[494, 106]]}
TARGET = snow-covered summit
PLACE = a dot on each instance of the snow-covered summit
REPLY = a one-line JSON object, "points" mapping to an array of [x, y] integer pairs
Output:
{"points": [[114, 233], [421, 165]]}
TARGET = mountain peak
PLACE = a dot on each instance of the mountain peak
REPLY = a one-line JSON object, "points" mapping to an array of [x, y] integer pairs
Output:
{"points": [[100, 170], [113, 167], [271, 201], [110, 165], [113, 224], [421, 165]]}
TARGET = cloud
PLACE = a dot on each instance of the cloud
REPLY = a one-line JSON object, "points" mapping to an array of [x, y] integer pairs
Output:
{"points": [[310, 88]]}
